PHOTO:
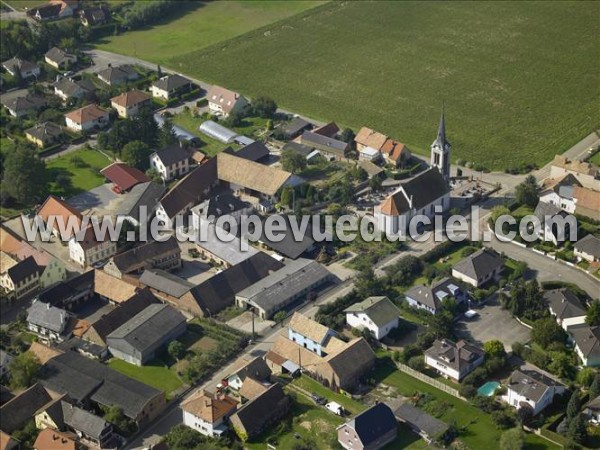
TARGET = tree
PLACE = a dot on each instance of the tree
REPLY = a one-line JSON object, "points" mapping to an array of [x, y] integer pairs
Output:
{"points": [[503, 419], [292, 161], [525, 414], [24, 370], [573, 406], [154, 175], [347, 135], [561, 364], [595, 388], [235, 118], [441, 325], [167, 135], [499, 210], [586, 377], [528, 192], [114, 414], [375, 184], [547, 331], [63, 181], [24, 175], [577, 429], [136, 154], [264, 107], [279, 316], [512, 439], [176, 350], [494, 348], [287, 196], [593, 314]]}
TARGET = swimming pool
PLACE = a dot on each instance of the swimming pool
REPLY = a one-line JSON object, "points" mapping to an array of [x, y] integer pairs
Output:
{"points": [[488, 389]]}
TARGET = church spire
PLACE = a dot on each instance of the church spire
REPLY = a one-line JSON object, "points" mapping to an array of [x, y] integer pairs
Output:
{"points": [[441, 135], [440, 149]]}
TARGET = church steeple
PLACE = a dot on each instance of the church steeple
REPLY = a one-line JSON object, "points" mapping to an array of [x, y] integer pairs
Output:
{"points": [[440, 149]]}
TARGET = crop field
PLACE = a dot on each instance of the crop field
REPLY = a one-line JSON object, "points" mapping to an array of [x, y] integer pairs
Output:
{"points": [[199, 25], [515, 89]]}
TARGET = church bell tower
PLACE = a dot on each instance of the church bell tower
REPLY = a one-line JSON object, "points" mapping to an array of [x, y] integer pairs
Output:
{"points": [[440, 151]]}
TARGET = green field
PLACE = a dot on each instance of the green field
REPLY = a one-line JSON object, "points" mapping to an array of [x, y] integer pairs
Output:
{"points": [[204, 24], [154, 374], [515, 89], [595, 159], [82, 178]]}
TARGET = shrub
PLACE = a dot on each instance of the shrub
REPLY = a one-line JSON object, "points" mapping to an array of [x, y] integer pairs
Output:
{"points": [[417, 363], [503, 419], [467, 391]]}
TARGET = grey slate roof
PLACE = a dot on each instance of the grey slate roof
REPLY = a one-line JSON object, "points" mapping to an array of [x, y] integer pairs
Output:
{"points": [[589, 244], [324, 143], [58, 55], [230, 251], [23, 269], [456, 355], [44, 130], [22, 64], [564, 303], [83, 421], [288, 246], [144, 194], [131, 258], [46, 316], [295, 127], [434, 295], [172, 154], [373, 423], [298, 148], [424, 188], [479, 264], [165, 282], [252, 152], [530, 383], [379, 309], [118, 74], [544, 209], [170, 82], [421, 420], [146, 329], [26, 103], [265, 408], [21, 408], [71, 88], [63, 292], [587, 339]]}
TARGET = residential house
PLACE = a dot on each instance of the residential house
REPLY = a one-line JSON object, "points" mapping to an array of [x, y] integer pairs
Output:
{"points": [[591, 411], [118, 75], [59, 58], [309, 334], [552, 218], [559, 192], [24, 106], [21, 408], [428, 427], [222, 202], [128, 104], [328, 146], [27, 69], [19, 278], [533, 388], [295, 127], [170, 86], [430, 298], [171, 162], [252, 388], [255, 369], [395, 153], [294, 283], [68, 89], [48, 322], [223, 102], [208, 413], [376, 314], [369, 154], [123, 177], [88, 118], [426, 194], [367, 138], [137, 340], [88, 382], [454, 360], [259, 413], [56, 9], [140, 203], [587, 174], [94, 16], [164, 255], [372, 429], [587, 343], [5, 360], [479, 268], [86, 249], [566, 307], [49, 439], [44, 134], [588, 248]]}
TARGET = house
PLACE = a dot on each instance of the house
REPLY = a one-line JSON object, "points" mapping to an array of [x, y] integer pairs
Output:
{"points": [[171, 162], [587, 343], [94, 16], [587, 174], [367, 138], [164, 255], [329, 130], [90, 382], [566, 307], [425, 425], [309, 334], [60, 415], [591, 411], [48, 322], [479, 268], [295, 127], [372, 429], [533, 388], [5, 360], [118, 75], [24, 106], [44, 134], [588, 248], [54, 211], [454, 360], [259, 413], [426, 194], [328, 146], [49, 439], [123, 177], [69, 293], [27, 69], [7, 442], [291, 242], [56, 9], [373, 170], [294, 283], [369, 154], [67, 89], [395, 153], [550, 216], [377, 314], [21, 408], [128, 104], [140, 203], [559, 192], [255, 369], [208, 413], [222, 202], [223, 102], [19, 278], [256, 151], [220, 246], [587, 202], [86, 249], [170, 86], [88, 118], [59, 59], [430, 298]]}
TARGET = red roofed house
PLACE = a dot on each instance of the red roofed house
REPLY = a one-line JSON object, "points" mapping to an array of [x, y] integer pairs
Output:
{"points": [[395, 153], [123, 177], [86, 118], [223, 102], [60, 211], [207, 413], [128, 104]]}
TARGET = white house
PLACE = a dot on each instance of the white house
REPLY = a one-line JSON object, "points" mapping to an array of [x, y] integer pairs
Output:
{"points": [[430, 298], [586, 340], [588, 248], [533, 388], [171, 162], [87, 118], [256, 369], [88, 250], [454, 360], [377, 314], [566, 307], [19, 278], [170, 86], [59, 59], [27, 68], [479, 268], [47, 321], [369, 154], [128, 104], [208, 413], [223, 102], [559, 192], [309, 334]]}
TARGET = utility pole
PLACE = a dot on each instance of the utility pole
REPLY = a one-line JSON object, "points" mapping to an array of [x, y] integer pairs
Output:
{"points": [[252, 312]]}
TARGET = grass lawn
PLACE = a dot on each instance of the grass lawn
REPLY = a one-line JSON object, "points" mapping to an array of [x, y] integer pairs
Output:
{"points": [[199, 25], [504, 73], [535, 442], [189, 123], [595, 159], [154, 374], [310, 385], [22, 5], [82, 178]]}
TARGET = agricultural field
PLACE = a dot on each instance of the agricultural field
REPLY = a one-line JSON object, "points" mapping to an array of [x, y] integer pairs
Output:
{"points": [[514, 89], [200, 25]]}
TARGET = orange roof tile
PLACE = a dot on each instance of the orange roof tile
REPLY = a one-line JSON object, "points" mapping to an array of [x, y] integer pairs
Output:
{"points": [[130, 98], [86, 114], [53, 206], [49, 439], [209, 407], [369, 138]]}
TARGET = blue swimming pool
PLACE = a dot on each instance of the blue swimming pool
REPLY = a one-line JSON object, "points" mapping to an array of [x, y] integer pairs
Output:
{"points": [[488, 389]]}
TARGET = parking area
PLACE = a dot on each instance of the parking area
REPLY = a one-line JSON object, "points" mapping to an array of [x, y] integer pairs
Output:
{"points": [[493, 322], [243, 322], [100, 200]]}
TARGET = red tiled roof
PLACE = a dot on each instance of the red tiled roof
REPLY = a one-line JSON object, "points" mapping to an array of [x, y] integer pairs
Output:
{"points": [[124, 176], [86, 114], [53, 206], [130, 98]]}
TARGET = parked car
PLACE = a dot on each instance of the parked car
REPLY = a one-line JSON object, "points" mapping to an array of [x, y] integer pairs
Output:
{"points": [[318, 399], [335, 408]]}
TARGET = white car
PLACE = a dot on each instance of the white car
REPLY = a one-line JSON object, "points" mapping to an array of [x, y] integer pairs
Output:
{"points": [[335, 408]]}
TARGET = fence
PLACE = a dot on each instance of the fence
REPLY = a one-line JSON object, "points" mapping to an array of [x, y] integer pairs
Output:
{"points": [[430, 381]]}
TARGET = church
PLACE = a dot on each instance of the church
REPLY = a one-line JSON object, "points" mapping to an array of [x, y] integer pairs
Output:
{"points": [[421, 194]]}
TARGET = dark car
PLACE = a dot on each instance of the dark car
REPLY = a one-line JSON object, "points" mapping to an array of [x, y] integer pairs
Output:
{"points": [[318, 399]]}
